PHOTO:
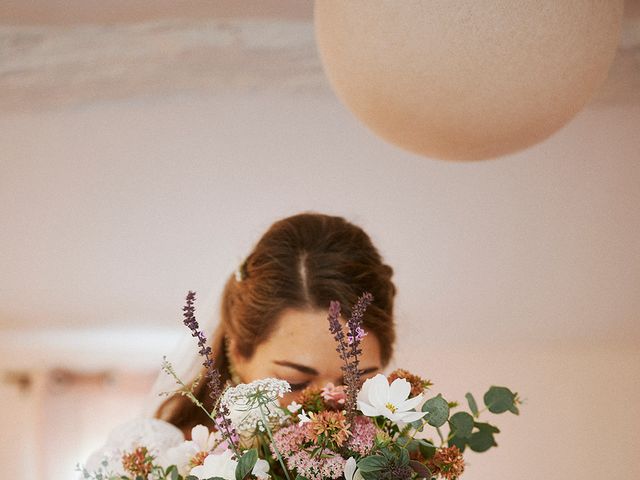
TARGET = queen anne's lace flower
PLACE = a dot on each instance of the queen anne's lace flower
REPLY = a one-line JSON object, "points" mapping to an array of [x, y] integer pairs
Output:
{"points": [[250, 405], [258, 392]]}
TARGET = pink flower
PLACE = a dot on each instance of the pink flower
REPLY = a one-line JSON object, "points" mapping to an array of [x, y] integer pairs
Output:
{"points": [[363, 436], [332, 394]]}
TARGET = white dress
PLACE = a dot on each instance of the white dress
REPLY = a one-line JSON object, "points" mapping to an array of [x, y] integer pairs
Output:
{"points": [[157, 435]]}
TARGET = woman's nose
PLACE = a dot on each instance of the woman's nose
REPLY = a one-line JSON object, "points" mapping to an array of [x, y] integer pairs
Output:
{"points": [[322, 382]]}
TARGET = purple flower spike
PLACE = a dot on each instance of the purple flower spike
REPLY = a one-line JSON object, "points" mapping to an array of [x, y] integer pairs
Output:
{"points": [[213, 377], [349, 350]]}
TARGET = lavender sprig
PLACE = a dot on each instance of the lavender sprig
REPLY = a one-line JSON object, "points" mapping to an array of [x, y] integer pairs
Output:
{"points": [[354, 337], [214, 380], [348, 347]]}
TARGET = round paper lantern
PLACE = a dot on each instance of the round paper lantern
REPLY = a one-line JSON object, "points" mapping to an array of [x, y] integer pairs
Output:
{"points": [[466, 79]]}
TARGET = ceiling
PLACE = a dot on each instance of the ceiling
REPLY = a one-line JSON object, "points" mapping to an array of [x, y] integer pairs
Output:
{"points": [[78, 51]]}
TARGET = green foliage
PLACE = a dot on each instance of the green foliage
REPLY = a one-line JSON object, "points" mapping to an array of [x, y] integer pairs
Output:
{"points": [[461, 424], [438, 411], [246, 464], [459, 442], [172, 473], [483, 439], [473, 406], [382, 465], [500, 400], [420, 468], [427, 449]]}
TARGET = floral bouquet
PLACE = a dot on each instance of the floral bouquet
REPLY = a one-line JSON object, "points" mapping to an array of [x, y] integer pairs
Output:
{"points": [[388, 427]]}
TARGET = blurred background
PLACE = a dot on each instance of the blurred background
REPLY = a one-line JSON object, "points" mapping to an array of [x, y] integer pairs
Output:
{"points": [[146, 145]]}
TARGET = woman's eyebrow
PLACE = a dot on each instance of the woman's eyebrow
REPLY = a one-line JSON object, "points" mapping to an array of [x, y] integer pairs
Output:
{"points": [[369, 370], [295, 366]]}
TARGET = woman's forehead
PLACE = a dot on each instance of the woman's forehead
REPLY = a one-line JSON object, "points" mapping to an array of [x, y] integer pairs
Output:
{"points": [[303, 336]]}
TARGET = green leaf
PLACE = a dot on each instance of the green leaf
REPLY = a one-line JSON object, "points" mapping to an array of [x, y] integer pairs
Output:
{"points": [[438, 411], [473, 406], [404, 456], [172, 473], [427, 450], [500, 400], [246, 464], [461, 424], [417, 425], [372, 463], [420, 468], [483, 439], [459, 442]]}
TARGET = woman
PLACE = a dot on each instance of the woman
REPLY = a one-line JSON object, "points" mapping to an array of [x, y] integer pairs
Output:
{"points": [[273, 316]]}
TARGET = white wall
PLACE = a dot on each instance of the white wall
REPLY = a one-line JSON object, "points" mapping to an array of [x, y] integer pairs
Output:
{"points": [[522, 271], [581, 416]]}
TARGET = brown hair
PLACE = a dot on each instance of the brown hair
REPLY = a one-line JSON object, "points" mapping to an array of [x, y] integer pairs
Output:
{"points": [[302, 262]]}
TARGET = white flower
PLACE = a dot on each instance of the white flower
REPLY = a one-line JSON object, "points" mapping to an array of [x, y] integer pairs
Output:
{"points": [[351, 471], [303, 417], [180, 456], [224, 466], [217, 465], [261, 469], [251, 395], [253, 405], [202, 439], [248, 421], [378, 398], [294, 407]]}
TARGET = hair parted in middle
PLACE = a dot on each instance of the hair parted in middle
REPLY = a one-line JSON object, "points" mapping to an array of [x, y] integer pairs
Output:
{"points": [[302, 262]]}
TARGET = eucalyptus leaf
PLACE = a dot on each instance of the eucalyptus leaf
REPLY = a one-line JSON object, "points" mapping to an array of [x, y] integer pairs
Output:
{"points": [[437, 410], [473, 406], [483, 439], [461, 424], [459, 442], [500, 400], [427, 450]]}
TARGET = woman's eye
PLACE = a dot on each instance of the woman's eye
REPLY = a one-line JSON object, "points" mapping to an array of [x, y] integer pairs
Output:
{"points": [[298, 386]]}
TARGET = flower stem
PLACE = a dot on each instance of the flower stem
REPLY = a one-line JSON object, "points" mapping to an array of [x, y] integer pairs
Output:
{"points": [[275, 448]]}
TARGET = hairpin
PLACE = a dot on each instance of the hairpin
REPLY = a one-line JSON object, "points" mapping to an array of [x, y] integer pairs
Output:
{"points": [[240, 273]]}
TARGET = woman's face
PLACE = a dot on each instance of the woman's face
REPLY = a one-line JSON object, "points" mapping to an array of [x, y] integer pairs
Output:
{"points": [[302, 351]]}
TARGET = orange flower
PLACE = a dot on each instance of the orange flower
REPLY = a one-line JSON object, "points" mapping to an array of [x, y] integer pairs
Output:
{"points": [[138, 463], [447, 462], [418, 384], [332, 425]]}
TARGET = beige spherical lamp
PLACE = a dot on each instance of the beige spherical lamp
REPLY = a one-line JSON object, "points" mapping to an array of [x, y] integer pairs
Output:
{"points": [[466, 79]]}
